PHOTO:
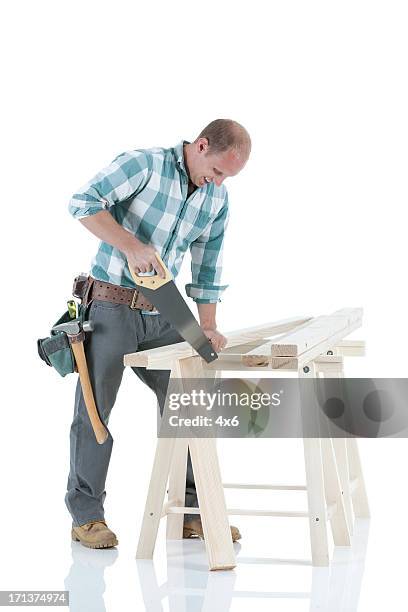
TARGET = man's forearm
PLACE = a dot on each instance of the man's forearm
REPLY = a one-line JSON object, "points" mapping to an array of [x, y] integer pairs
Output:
{"points": [[104, 227], [207, 314]]}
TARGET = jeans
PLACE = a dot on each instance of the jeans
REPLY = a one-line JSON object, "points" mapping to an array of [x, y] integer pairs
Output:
{"points": [[117, 330]]}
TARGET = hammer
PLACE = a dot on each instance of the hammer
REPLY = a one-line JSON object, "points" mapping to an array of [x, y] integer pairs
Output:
{"points": [[76, 334]]}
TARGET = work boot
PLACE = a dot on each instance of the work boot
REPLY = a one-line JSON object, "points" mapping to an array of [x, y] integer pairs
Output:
{"points": [[95, 534], [194, 529]]}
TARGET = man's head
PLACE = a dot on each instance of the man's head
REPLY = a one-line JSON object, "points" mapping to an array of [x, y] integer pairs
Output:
{"points": [[221, 150]]}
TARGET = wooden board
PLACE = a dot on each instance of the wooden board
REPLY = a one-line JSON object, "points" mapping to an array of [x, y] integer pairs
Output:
{"points": [[160, 358], [317, 338], [314, 332]]}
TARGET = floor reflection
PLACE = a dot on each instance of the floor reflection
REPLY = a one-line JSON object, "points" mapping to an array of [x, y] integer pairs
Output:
{"points": [[190, 587], [85, 581]]}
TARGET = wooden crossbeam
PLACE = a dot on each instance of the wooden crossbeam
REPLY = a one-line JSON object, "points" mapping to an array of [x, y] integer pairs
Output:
{"points": [[240, 512], [231, 485]]}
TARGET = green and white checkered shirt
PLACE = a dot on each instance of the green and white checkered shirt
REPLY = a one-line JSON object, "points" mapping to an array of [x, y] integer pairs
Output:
{"points": [[146, 192]]}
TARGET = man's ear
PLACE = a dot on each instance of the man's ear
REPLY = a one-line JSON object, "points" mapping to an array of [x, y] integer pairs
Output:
{"points": [[202, 145]]}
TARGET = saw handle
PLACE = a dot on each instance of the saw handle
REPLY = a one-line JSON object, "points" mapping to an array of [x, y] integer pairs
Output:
{"points": [[153, 281]]}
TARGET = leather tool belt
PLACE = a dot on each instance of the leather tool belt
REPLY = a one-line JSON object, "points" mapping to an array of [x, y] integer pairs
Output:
{"points": [[94, 289]]}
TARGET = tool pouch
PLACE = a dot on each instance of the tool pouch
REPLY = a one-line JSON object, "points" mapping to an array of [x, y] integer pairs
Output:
{"points": [[56, 349]]}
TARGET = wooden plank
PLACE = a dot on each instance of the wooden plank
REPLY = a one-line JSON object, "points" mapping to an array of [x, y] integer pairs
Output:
{"points": [[265, 330], [239, 349], [316, 331], [262, 354], [231, 363], [295, 343], [161, 357], [262, 357], [296, 363]]}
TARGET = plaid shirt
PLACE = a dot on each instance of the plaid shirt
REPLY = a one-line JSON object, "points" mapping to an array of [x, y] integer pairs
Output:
{"points": [[146, 192]]}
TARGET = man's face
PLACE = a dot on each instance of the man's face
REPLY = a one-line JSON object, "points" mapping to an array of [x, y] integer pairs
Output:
{"points": [[207, 167]]}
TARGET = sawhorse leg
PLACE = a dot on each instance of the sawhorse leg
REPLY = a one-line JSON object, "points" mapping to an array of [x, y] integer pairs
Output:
{"points": [[168, 450], [323, 488], [155, 498], [177, 489], [331, 366], [359, 493], [210, 492], [316, 500], [347, 457]]}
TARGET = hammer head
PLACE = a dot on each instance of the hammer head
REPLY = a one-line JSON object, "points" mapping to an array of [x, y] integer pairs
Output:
{"points": [[71, 328]]}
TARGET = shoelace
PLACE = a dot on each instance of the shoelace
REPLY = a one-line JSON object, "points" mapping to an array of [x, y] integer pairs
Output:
{"points": [[89, 525]]}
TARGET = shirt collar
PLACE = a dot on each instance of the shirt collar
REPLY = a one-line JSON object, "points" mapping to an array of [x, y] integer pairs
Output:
{"points": [[179, 154]]}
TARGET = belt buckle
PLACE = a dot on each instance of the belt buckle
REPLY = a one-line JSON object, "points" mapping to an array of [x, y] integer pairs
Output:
{"points": [[134, 300]]}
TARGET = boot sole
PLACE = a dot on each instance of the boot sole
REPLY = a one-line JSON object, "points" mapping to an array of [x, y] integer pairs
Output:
{"points": [[111, 544], [192, 533]]}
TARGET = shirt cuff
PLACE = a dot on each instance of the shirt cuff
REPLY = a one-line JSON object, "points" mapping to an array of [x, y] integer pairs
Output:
{"points": [[205, 294], [81, 213]]}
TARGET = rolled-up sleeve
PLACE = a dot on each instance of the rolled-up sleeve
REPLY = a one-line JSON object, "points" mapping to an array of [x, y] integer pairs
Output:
{"points": [[126, 175], [206, 260]]}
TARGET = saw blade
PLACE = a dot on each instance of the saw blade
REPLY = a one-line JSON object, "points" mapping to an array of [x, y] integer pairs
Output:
{"points": [[170, 303], [164, 295]]}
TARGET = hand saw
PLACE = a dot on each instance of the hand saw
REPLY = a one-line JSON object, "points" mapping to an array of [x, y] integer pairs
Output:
{"points": [[164, 295]]}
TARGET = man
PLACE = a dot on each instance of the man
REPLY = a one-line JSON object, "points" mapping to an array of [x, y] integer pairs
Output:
{"points": [[164, 200]]}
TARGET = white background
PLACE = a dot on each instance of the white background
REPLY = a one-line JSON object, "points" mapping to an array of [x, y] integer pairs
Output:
{"points": [[318, 222]]}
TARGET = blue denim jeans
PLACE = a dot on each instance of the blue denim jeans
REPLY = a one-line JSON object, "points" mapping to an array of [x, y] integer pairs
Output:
{"points": [[117, 330]]}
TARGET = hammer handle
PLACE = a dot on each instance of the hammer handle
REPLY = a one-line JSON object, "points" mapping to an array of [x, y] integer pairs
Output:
{"points": [[99, 428]]}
